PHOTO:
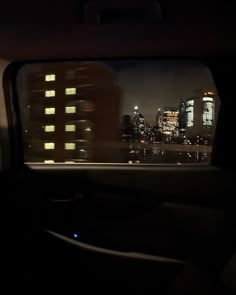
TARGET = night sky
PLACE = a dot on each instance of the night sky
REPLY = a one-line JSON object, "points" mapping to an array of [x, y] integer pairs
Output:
{"points": [[156, 84]]}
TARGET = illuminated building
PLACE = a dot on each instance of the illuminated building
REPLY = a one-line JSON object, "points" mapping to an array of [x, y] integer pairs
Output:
{"points": [[68, 107], [208, 111], [148, 132], [201, 112], [159, 119], [170, 120], [183, 116], [137, 120]]}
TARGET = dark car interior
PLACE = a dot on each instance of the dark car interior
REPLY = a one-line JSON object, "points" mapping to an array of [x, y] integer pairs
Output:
{"points": [[153, 228]]}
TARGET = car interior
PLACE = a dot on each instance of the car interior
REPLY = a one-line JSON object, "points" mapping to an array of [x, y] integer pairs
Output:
{"points": [[108, 225]]}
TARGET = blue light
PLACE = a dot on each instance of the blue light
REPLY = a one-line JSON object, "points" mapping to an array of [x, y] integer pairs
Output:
{"points": [[76, 236]]}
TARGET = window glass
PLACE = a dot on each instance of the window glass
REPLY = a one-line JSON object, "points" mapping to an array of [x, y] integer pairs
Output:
{"points": [[49, 128], [118, 111], [70, 91], [50, 77], [70, 128], [49, 111], [70, 110], [49, 145], [70, 146], [50, 93]]}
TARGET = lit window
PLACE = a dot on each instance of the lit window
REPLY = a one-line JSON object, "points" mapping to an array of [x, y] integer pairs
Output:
{"points": [[70, 128], [50, 77], [49, 111], [50, 93], [70, 91], [70, 110], [70, 146], [49, 161], [49, 128], [49, 145]]}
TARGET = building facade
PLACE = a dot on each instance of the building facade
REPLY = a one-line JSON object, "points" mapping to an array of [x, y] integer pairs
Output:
{"points": [[182, 118], [137, 120], [73, 113], [201, 112], [170, 120]]}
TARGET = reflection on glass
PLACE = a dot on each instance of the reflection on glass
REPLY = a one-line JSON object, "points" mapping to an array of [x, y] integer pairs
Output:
{"points": [[49, 161]]}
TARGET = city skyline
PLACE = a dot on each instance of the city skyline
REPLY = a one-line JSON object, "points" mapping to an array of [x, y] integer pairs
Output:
{"points": [[72, 111], [153, 84], [149, 84]]}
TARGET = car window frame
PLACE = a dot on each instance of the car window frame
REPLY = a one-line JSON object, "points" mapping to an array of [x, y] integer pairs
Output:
{"points": [[13, 110]]}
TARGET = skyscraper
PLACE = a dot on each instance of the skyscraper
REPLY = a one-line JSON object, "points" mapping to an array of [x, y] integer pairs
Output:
{"points": [[182, 117], [190, 114], [201, 113], [170, 120], [208, 115], [159, 119], [137, 120]]}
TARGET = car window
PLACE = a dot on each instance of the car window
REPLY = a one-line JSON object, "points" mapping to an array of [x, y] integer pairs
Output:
{"points": [[118, 111]]}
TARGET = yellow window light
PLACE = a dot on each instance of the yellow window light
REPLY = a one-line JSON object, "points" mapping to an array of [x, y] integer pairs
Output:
{"points": [[49, 128], [70, 146], [70, 128], [50, 93], [50, 77], [70, 110], [49, 111], [70, 91], [49, 145]]}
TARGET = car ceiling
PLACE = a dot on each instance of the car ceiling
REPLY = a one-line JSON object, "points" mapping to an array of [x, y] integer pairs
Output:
{"points": [[70, 11], [57, 29]]}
